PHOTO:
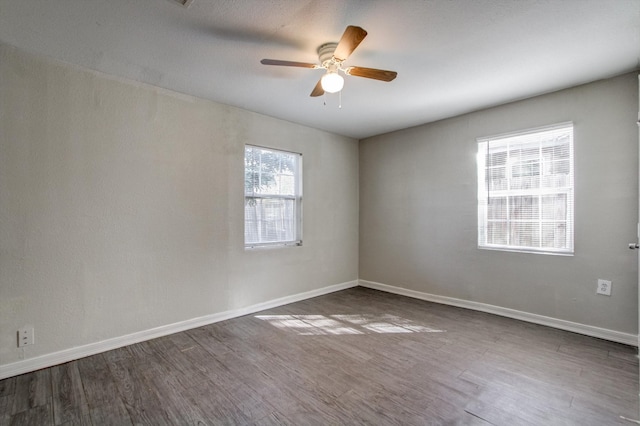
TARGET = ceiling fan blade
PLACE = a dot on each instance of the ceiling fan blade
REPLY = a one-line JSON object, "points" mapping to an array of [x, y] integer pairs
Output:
{"points": [[287, 63], [351, 38], [318, 90], [376, 74]]}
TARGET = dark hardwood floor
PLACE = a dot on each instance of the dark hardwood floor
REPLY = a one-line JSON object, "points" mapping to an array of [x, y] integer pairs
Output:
{"points": [[354, 357]]}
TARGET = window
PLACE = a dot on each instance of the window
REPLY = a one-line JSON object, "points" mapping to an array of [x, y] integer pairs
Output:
{"points": [[272, 197], [525, 191]]}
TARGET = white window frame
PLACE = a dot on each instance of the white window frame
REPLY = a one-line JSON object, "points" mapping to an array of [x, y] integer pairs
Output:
{"points": [[524, 138], [260, 195]]}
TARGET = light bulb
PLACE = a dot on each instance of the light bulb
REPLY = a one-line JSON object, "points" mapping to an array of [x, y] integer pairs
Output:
{"points": [[332, 82]]}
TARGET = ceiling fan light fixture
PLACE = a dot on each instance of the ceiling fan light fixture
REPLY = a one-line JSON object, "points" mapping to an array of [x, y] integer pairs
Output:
{"points": [[332, 82]]}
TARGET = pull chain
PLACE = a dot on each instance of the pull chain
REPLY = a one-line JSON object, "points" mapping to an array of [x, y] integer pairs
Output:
{"points": [[340, 99]]}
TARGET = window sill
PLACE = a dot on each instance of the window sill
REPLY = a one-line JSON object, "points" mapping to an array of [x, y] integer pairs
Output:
{"points": [[272, 245], [527, 251]]}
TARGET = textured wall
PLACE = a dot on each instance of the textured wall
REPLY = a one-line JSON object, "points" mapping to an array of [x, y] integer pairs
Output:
{"points": [[121, 207], [418, 210]]}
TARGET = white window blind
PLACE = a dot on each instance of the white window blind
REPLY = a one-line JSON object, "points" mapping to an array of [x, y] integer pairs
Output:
{"points": [[273, 197], [525, 191]]}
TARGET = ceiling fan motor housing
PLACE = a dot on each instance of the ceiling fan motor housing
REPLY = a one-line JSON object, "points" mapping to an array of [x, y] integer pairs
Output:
{"points": [[325, 52]]}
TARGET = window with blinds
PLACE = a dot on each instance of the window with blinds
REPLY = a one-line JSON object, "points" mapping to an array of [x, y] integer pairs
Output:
{"points": [[525, 191], [272, 197]]}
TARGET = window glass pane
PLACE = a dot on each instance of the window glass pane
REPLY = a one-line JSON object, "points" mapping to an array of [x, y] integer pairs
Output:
{"points": [[525, 174], [525, 234], [497, 233], [560, 167], [554, 234], [554, 207], [523, 207], [497, 159], [497, 208], [497, 178]]}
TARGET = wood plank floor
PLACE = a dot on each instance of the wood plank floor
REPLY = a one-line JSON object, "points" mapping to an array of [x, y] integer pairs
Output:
{"points": [[354, 357]]}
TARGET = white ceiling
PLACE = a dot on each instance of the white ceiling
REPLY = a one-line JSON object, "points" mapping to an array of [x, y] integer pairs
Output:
{"points": [[452, 56]]}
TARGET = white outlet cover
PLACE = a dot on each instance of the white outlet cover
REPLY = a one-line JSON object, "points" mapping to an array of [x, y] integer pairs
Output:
{"points": [[25, 336], [604, 287]]}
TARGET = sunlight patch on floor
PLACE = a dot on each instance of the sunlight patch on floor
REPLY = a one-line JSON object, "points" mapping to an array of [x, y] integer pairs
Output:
{"points": [[345, 324]]}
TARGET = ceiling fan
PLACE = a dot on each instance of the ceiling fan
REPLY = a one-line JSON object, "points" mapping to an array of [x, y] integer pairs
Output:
{"points": [[332, 56]]}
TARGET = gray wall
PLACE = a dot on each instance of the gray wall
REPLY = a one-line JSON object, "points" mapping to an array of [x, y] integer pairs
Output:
{"points": [[418, 210], [121, 207]]}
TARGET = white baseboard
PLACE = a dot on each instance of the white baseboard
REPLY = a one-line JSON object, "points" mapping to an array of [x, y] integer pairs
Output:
{"points": [[588, 330], [66, 355]]}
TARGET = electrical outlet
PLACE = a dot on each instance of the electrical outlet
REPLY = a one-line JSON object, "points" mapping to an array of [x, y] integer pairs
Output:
{"points": [[26, 336], [604, 287]]}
